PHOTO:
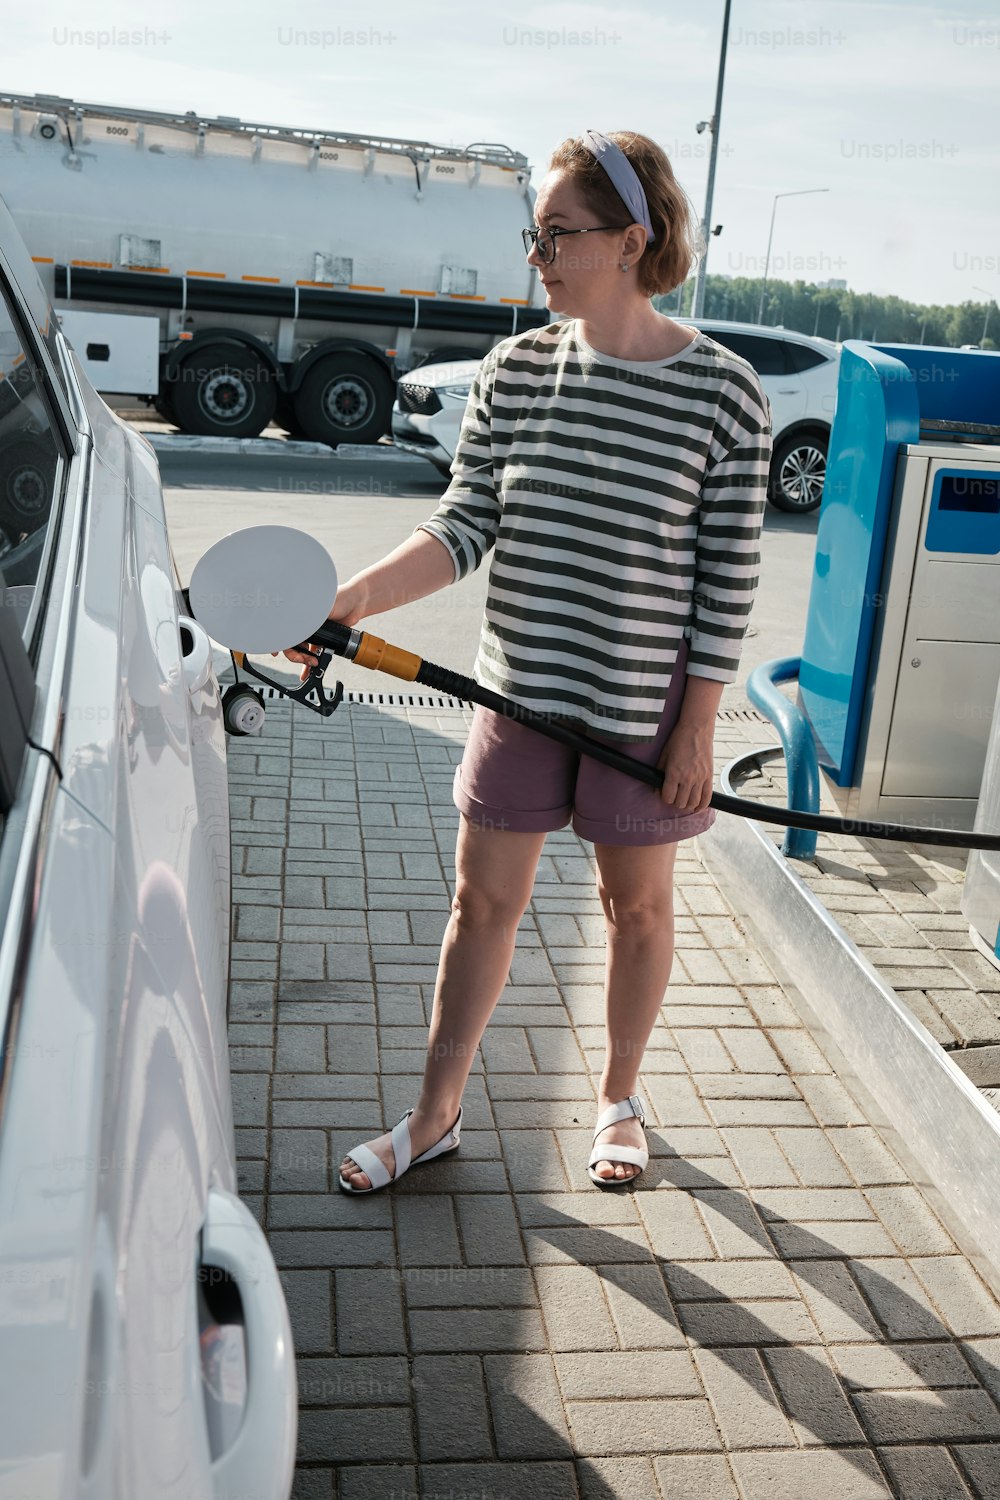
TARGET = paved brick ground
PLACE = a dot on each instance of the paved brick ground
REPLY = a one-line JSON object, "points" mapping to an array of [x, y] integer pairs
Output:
{"points": [[901, 904], [774, 1312]]}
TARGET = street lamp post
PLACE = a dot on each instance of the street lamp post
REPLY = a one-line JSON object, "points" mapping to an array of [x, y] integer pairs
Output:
{"points": [[713, 126], [989, 309], [767, 259]]}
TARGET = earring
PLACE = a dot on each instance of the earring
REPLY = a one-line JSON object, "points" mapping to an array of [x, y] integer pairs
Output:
{"points": [[624, 268]]}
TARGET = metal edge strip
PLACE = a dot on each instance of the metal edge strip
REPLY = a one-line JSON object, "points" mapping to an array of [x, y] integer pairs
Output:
{"points": [[943, 1131]]}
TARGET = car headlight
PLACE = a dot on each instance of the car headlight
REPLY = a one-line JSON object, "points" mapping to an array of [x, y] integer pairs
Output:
{"points": [[458, 392]]}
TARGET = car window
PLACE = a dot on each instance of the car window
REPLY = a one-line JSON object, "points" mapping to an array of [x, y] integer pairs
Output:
{"points": [[801, 357], [766, 355], [30, 469]]}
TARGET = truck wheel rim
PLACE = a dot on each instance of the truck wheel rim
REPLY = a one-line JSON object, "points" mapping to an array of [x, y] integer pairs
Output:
{"points": [[802, 474], [347, 401], [224, 396]]}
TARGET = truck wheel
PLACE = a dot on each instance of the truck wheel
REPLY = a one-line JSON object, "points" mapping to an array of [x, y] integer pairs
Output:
{"points": [[345, 398], [27, 474], [223, 391], [163, 405]]}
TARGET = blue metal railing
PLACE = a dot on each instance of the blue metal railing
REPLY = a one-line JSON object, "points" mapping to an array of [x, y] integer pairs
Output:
{"points": [[797, 743]]}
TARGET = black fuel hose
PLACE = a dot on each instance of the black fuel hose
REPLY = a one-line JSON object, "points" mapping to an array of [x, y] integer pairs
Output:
{"points": [[370, 651]]}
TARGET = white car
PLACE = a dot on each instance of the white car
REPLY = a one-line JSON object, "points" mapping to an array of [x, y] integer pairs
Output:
{"points": [[145, 1347], [798, 374]]}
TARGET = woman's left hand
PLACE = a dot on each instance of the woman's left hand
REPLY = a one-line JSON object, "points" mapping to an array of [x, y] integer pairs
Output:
{"points": [[688, 768]]}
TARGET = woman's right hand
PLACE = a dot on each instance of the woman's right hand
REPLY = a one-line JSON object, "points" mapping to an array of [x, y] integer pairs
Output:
{"points": [[349, 607]]}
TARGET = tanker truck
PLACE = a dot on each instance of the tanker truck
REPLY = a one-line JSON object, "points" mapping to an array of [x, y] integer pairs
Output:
{"points": [[233, 274]]}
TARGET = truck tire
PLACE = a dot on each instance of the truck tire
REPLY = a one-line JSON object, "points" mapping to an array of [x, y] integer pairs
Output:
{"points": [[163, 405], [345, 398], [223, 390]]}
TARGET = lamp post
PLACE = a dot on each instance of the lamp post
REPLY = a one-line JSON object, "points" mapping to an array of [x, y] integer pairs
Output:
{"points": [[713, 126], [767, 259], [989, 309]]}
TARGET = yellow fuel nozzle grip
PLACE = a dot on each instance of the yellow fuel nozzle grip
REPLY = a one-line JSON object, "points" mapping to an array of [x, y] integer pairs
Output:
{"points": [[381, 657]]}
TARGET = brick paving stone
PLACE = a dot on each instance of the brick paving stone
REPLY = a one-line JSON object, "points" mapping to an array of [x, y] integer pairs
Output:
{"points": [[835, 1301], [603, 1478], [695, 1476], [903, 1367], [756, 1323], [497, 1325], [626, 1374], [369, 1312], [452, 1419], [744, 1401], [918, 1473], [377, 1482], [813, 1158], [813, 1396], [552, 1480], [585, 1245], [758, 1156], [900, 1301], [799, 1205], [426, 1230], [829, 1101], [942, 1416], [958, 1294], [982, 1466], [490, 1233], [737, 1281], [850, 1474], [574, 1307], [909, 1220], [684, 1425], [870, 1161], [309, 1298], [467, 1286], [831, 1238], [733, 1224], [643, 1315], [471, 1330], [366, 1381], [525, 1405]]}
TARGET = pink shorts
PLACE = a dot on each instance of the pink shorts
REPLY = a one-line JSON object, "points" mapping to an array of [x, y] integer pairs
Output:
{"points": [[512, 777]]}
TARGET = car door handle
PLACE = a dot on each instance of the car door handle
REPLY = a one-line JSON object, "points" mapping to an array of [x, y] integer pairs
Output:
{"points": [[789, 390], [196, 650], [260, 1461]]}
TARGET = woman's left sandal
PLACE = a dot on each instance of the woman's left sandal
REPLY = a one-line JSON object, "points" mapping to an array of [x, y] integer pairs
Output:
{"points": [[635, 1156]]}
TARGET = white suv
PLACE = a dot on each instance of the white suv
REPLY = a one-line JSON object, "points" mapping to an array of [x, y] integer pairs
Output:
{"points": [[798, 374]]}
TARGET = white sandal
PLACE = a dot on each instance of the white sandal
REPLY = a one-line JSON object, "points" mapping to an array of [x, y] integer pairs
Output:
{"points": [[376, 1170], [635, 1156]]}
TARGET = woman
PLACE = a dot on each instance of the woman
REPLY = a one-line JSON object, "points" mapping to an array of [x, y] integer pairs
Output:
{"points": [[617, 463]]}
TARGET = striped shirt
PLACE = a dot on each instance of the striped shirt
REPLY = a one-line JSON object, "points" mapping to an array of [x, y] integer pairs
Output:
{"points": [[623, 501]]}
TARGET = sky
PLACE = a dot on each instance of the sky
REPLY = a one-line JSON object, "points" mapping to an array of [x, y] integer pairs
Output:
{"points": [[888, 107]]}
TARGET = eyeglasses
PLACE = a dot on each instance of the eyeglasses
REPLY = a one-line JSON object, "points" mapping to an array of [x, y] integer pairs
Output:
{"points": [[544, 240]]}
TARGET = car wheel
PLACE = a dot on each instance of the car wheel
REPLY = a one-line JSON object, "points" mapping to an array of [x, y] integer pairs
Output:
{"points": [[798, 469], [344, 398], [223, 391], [27, 474]]}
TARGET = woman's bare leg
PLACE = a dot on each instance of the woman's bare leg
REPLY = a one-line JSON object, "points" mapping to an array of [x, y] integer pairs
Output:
{"points": [[636, 887], [494, 877]]}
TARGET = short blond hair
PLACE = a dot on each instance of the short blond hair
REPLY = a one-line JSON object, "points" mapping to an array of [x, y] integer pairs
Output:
{"points": [[678, 238]]}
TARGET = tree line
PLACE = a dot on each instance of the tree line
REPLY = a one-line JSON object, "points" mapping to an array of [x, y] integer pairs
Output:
{"points": [[838, 313]]}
